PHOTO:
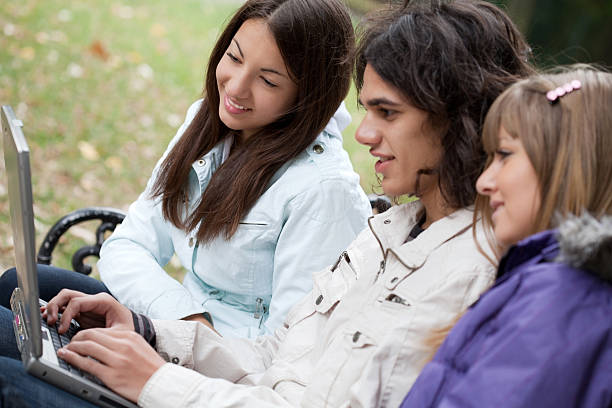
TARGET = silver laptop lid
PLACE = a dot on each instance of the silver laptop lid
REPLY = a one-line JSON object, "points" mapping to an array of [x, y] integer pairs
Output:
{"points": [[17, 162]]}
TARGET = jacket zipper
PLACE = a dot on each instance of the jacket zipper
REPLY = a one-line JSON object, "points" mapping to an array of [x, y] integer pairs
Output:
{"points": [[344, 255]]}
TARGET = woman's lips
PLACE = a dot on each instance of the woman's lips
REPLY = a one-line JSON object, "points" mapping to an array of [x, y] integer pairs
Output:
{"points": [[234, 108]]}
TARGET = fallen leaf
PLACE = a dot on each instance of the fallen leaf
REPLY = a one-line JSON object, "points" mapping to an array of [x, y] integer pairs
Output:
{"points": [[88, 151], [145, 71], [97, 49], [114, 163], [9, 29], [75, 70], [27, 53], [89, 182]]}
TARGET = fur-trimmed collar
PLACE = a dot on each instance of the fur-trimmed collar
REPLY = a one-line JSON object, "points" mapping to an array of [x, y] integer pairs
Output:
{"points": [[585, 242]]}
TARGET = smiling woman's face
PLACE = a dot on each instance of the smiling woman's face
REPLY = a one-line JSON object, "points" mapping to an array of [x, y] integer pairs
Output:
{"points": [[400, 136], [513, 189], [255, 88]]}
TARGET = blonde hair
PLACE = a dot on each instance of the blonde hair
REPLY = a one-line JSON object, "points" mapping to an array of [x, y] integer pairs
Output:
{"points": [[569, 142]]}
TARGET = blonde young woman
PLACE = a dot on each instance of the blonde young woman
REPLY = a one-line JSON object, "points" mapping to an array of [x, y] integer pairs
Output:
{"points": [[542, 336]]}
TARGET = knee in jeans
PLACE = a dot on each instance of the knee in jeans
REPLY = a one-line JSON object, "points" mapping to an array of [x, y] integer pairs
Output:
{"points": [[8, 282]]}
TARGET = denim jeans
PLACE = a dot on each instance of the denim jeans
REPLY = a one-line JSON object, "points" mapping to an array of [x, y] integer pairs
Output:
{"points": [[50, 281], [18, 389]]}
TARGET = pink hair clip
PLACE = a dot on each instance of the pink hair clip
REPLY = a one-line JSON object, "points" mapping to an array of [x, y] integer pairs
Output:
{"points": [[554, 95]]}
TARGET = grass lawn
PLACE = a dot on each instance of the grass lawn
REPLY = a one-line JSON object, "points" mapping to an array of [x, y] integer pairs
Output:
{"points": [[102, 87]]}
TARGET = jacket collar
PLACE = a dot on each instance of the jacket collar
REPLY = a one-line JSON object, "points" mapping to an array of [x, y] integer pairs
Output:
{"points": [[392, 227], [536, 248], [583, 242]]}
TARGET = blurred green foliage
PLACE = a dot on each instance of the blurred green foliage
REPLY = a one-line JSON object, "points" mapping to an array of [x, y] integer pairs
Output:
{"points": [[560, 32]]}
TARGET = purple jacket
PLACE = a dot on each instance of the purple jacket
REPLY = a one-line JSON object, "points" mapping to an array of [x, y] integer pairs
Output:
{"points": [[541, 336]]}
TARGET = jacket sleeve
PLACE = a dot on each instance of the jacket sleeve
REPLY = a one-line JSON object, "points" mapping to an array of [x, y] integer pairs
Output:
{"points": [[322, 221], [210, 370], [175, 386], [550, 354], [132, 258]]}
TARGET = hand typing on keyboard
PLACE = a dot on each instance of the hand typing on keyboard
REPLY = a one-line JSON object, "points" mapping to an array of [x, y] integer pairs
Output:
{"points": [[101, 310], [108, 348], [122, 359]]}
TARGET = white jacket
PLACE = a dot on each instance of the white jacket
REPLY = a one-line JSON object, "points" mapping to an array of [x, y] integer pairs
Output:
{"points": [[358, 339], [313, 208]]}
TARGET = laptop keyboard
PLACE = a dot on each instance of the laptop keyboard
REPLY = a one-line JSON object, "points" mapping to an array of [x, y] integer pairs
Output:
{"points": [[59, 341]]}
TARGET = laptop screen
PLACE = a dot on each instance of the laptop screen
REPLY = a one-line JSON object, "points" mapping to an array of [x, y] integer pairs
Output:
{"points": [[17, 163]]}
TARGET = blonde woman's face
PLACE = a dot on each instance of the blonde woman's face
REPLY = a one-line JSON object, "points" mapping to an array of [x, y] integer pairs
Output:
{"points": [[512, 186]]}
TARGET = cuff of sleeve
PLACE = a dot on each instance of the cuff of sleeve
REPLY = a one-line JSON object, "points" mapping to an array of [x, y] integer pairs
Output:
{"points": [[169, 386], [144, 326]]}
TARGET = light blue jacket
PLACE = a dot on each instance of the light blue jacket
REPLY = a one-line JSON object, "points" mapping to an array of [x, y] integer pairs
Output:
{"points": [[313, 209]]}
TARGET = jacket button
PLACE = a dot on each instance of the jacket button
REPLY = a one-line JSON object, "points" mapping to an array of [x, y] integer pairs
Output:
{"points": [[190, 241], [318, 149], [387, 221], [394, 279], [319, 300], [201, 162], [356, 336], [175, 360]]}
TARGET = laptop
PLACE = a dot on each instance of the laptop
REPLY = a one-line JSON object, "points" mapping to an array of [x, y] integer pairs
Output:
{"points": [[36, 340]]}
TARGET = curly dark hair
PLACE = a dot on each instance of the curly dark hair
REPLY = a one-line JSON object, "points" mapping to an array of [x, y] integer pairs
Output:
{"points": [[450, 59]]}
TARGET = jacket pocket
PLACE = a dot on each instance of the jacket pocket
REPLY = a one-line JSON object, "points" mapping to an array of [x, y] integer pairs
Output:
{"points": [[330, 285], [353, 349], [252, 224], [396, 301]]}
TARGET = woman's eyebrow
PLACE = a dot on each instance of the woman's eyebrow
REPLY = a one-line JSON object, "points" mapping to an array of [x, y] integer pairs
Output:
{"points": [[269, 70], [273, 71], [239, 49]]}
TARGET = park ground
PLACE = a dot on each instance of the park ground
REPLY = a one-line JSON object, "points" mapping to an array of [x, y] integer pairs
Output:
{"points": [[101, 87]]}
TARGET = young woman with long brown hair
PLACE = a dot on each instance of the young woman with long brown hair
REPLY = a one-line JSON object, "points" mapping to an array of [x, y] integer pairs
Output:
{"points": [[255, 190]]}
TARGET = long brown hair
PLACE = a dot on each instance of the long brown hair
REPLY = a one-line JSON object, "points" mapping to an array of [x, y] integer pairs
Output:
{"points": [[316, 40], [568, 143]]}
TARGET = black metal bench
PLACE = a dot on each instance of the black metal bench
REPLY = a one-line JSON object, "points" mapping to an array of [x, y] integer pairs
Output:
{"points": [[109, 219]]}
